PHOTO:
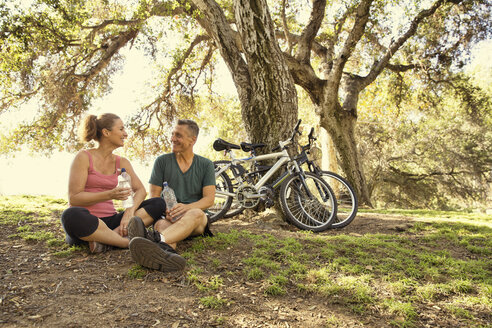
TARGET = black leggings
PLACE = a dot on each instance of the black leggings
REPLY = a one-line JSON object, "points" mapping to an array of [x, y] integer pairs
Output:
{"points": [[79, 222]]}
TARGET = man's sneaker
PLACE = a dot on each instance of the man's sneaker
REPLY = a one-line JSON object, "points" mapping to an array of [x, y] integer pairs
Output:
{"points": [[95, 247], [158, 256], [136, 228]]}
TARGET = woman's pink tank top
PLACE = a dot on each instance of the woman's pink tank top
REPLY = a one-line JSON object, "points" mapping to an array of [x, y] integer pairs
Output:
{"points": [[97, 182]]}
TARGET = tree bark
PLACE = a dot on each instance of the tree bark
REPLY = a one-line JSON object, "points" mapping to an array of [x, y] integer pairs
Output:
{"points": [[340, 124], [329, 161], [273, 110], [265, 87]]}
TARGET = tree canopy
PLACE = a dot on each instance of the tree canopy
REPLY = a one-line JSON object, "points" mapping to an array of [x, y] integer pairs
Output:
{"points": [[64, 52]]}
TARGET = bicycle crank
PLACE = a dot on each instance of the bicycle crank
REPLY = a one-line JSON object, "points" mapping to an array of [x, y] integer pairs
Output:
{"points": [[247, 196]]}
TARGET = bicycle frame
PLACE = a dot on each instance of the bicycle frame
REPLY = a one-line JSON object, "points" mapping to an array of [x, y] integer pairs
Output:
{"points": [[283, 158]]}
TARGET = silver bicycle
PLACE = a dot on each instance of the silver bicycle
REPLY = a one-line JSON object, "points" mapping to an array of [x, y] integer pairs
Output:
{"points": [[306, 200]]}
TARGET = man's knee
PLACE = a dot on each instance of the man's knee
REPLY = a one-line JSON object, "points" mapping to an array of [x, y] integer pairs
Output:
{"points": [[161, 224], [198, 216]]}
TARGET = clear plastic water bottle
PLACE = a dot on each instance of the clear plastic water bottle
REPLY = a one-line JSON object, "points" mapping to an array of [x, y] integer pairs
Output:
{"points": [[125, 181], [169, 198]]}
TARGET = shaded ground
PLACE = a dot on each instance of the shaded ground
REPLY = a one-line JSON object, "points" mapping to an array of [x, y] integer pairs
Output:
{"points": [[83, 290]]}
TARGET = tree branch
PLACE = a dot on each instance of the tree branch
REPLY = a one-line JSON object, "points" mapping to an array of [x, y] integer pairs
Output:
{"points": [[96, 28], [310, 31], [286, 28], [304, 75], [165, 96], [109, 50], [337, 28], [399, 68], [316, 47], [378, 66], [362, 16], [423, 176], [228, 42], [21, 97]]}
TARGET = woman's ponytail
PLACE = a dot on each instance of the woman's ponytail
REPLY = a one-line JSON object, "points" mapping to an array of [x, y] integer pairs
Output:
{"points": [[91, 126]]}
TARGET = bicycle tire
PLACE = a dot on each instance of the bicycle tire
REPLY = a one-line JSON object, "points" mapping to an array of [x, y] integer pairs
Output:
{"points": [[308, 214], [235, 208], [221, 203], [347, 202]]}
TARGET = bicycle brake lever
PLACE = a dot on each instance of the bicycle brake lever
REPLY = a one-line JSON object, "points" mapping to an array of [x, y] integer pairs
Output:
{"points": [[311, 134]]}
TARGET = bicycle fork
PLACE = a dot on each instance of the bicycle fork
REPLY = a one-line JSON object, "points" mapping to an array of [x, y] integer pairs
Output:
{"points": [[324, 195]]}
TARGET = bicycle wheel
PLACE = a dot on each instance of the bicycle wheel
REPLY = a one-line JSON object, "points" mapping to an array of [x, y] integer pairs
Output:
{"points": [[222, 203], [308, 204], [347, 203], [235, 207]]}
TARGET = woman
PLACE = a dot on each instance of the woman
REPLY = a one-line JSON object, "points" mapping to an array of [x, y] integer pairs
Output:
{"points": [[93, 184]]}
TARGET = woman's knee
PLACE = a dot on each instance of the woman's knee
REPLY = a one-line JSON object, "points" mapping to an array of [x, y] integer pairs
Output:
{"points": [[78, 222], [153, 207], [71, 214]]}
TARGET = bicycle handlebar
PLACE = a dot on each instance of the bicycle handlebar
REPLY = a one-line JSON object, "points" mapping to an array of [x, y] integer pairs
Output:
{"points": [[296, 130], [311, 135]]}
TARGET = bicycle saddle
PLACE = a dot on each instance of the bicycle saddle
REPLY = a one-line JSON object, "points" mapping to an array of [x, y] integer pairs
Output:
{"points": [[247, 147], [220, 144]]}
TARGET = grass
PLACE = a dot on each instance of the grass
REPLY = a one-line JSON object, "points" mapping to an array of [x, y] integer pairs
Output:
{"points": [[460, 215], [213, 302], [36, 219], [441, 260], [438, 262], [137, 272]]}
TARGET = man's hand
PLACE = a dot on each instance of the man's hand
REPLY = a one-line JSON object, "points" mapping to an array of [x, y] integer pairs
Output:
{"points": [[176, 212]]}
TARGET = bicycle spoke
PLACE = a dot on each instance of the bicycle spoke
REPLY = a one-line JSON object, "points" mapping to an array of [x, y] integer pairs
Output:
{"points": [[308, 202], [346, 198]]}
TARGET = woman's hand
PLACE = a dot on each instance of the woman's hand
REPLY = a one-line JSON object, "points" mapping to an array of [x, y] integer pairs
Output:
{"points": [[123, 231], [120, 193]]}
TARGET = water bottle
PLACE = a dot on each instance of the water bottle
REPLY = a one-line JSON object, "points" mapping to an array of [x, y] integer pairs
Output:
{"points": [[169, 198], [125, 181]]}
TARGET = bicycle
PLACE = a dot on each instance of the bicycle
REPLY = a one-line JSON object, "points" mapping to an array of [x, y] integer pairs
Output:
{"points": [[347, 202], [306, 200]]}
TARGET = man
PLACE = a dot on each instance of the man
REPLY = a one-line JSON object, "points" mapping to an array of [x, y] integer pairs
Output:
{"points": [[192, 177]]}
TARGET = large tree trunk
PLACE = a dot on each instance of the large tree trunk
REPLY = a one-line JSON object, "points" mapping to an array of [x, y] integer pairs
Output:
{"points": [[340, 124], [272, 111], [329, 160], [265, 87]]}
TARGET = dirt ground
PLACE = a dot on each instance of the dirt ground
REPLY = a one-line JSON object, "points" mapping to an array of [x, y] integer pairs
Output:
{"points": [[38, 289]]}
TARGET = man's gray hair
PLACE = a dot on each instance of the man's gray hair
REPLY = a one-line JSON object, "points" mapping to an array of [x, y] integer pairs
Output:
{"points": [[192, 126]]}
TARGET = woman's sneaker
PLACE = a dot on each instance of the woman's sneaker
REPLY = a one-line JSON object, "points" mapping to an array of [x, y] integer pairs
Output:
{"points": [[158, 256], [136, 228]]}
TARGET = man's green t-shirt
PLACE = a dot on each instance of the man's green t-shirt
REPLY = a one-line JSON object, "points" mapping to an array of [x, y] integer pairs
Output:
{"points": [[187, 186]]}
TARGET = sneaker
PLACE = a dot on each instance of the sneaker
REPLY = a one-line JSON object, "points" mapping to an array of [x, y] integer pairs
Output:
{"points": [[95, 247], [158, 256], [136, 228]]}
